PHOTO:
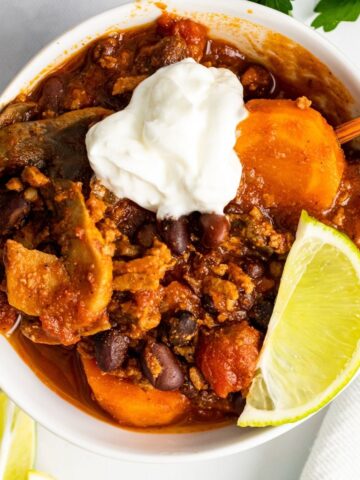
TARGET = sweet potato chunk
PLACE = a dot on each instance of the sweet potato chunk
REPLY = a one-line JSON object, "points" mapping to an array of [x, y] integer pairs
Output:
{"points": [[131, 404], [227, 357], [293, 150], [32, 278]]}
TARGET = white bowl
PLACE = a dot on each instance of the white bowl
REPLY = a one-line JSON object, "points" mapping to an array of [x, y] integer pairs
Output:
{"points": [[227, 19]]}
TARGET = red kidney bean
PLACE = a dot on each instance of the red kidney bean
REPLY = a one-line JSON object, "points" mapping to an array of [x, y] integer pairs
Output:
{"points": [[161, 367], [223, 55], [215, 229], [111, 349], [52, 94], [182, 328], [175, 234], [146, 234]]}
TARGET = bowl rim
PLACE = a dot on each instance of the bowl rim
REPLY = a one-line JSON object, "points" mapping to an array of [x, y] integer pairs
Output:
{"points": [[54, 423], [307, 37]]}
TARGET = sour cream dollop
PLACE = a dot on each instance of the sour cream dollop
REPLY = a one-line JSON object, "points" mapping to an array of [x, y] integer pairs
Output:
{"points": [[172, 149]]}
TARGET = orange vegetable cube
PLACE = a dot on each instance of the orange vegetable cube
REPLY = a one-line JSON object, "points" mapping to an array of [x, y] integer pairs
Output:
{"points": [[294, 152], [131, 404]]}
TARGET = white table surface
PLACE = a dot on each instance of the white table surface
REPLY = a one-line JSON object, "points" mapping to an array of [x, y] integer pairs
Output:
{"points": [[27, 25]]}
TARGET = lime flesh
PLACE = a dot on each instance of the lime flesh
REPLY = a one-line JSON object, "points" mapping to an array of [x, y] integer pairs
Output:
{"points": [[312, 348], [35, 475], [17, 447]]}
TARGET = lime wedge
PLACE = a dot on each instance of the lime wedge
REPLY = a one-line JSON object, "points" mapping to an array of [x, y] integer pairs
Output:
{"points": [[4, 406], [34, 475], [312, 348], [17, 447]]}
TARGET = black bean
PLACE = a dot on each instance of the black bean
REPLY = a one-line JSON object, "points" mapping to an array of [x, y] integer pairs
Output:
{"points": [[145, 236], [182, 328], [194, 223], [215, 229], [175, 234], [14, 209], [161, 367], [111, 349], [189, 390], [260, 314], [121, 296], [138, 346], [238, 403], [208, 304], [246, 301], [253, 267]]}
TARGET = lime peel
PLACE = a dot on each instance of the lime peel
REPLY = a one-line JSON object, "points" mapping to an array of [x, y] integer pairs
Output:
{"points": [[312, 348], [17, 441]]}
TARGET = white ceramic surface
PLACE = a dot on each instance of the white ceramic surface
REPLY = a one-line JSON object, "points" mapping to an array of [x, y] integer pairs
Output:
{"points": [[20, 382]]}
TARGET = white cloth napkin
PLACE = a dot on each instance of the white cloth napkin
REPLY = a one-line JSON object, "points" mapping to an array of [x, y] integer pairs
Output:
{"points": [[336, 452]]}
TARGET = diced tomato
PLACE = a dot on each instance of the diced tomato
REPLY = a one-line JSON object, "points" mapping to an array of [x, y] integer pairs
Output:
{"points": [[193, 33], [227, 357]]}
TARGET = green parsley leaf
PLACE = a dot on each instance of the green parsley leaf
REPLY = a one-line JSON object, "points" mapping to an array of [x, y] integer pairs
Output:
{"points": [[332, 12], [284, 6]]}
